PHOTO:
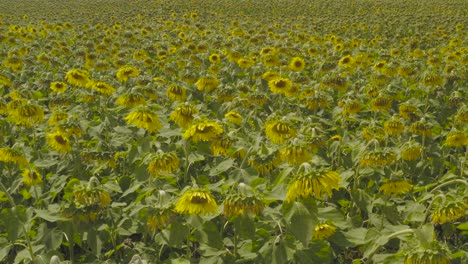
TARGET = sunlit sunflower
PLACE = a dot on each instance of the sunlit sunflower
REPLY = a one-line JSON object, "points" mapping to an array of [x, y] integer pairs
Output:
{"points": [[14, 63], [131, 100], [11, 155], [411, 151], [278, 131], [196, 201], [456, 139], [234, 117], [58, 87], [270, 60], [346, 62], [280, 85], [27, 115], [314, 183], [323, 231], [245, 63], [394, 126], [162, 163], [215, 58], [269, 75], [31, 177], [125, 72], [57, 117], [176, 92], [207, 84], [77, 77], [59, 142], [142, 117], [101, 87], [395, 187], [183, 115], [297, 64], [203, 130], [382, 157]]}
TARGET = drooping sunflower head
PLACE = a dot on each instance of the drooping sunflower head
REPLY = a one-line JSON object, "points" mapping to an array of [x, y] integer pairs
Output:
{"points": [[27, 115], [245, 62], [161, 163], [131, 100], [313, 183], [270, 60], [422, 128], [408, 111], [125, 72], [176, 92], [4, 80], [203, 130], [11, 155], [143, 117], [296, 153], [351, 106], [233, 117], [411, 151], [101, 87], [437, 253], [377, 157], [456, 139], [449, 211], [395, 187], [270, 75], [221, 145], [394, 126], [183, 115], [196, 201], [264, 161], [77, 77], [381, 103], [238, 204], [278, 131], [323, 231], [207, 84]]}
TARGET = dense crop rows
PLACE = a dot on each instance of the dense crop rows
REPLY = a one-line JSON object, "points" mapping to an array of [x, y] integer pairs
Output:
{"points": [[233, 131]]}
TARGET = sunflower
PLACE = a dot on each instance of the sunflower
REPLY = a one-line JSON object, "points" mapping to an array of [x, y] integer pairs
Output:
{"points": [[280, 85], [234, 117], [448, 212], [421, 128], [351, 107], [183, 115], [56, 117], [59, 142], [196, 201], [245, 63], [5, 81], [160, 219], [408, 112], [14, 63], [237, 204], [125, 72], [77, 77], [270, 60], [394, 126], [381, 103], [101, 87], [267, 51], [221, 145], [215, 58], [395, 187], [295, 154], [377, 157], [346, 62], [163, 163], [58, 87], [323, 231], [373, 132], [11, 155], [316, 183], [27, 115], [207, 84], [411, 151], [203, 130], [131, 100], [456, 139], [263, 163], [176, 93], [297, 64], [431, 253], [143, 117], [269, 75], [433, 80], [278, 131], [31, 177], [315, 99]]}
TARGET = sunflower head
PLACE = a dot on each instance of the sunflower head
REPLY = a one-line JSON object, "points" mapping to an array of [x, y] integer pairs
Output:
{"points": [[11, 155], [411, 151], [207, 84], [124, 73], [196, 201], [278, 131], [176, 93], [233, 117], [76, 77], [323, 231], [377, 157], [162, 163], [395, 187], [58, 87], [31, 177], [394, 126], [238, 204], [131, 100], [203, 130], [456, 139], [296, 153], [280, 85], [434, 253], [313, 183], [58, 141], [297, 64], [143, 117]]}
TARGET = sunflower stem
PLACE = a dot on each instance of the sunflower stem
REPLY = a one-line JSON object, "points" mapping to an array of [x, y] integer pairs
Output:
{"points": [[393, 235], [428, 210]]}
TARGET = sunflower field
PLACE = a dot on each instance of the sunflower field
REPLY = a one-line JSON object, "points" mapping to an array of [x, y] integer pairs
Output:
{"points": [[234, 131]]}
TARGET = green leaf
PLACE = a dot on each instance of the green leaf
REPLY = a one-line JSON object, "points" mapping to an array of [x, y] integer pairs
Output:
{"points": [[222, 167], [4, 250], [180, 261], [210, 235], [49, 216], [94, 242], [245, 227], [357, 236], [463, 226], [279, 255], [300, 222], [178, 234]]}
